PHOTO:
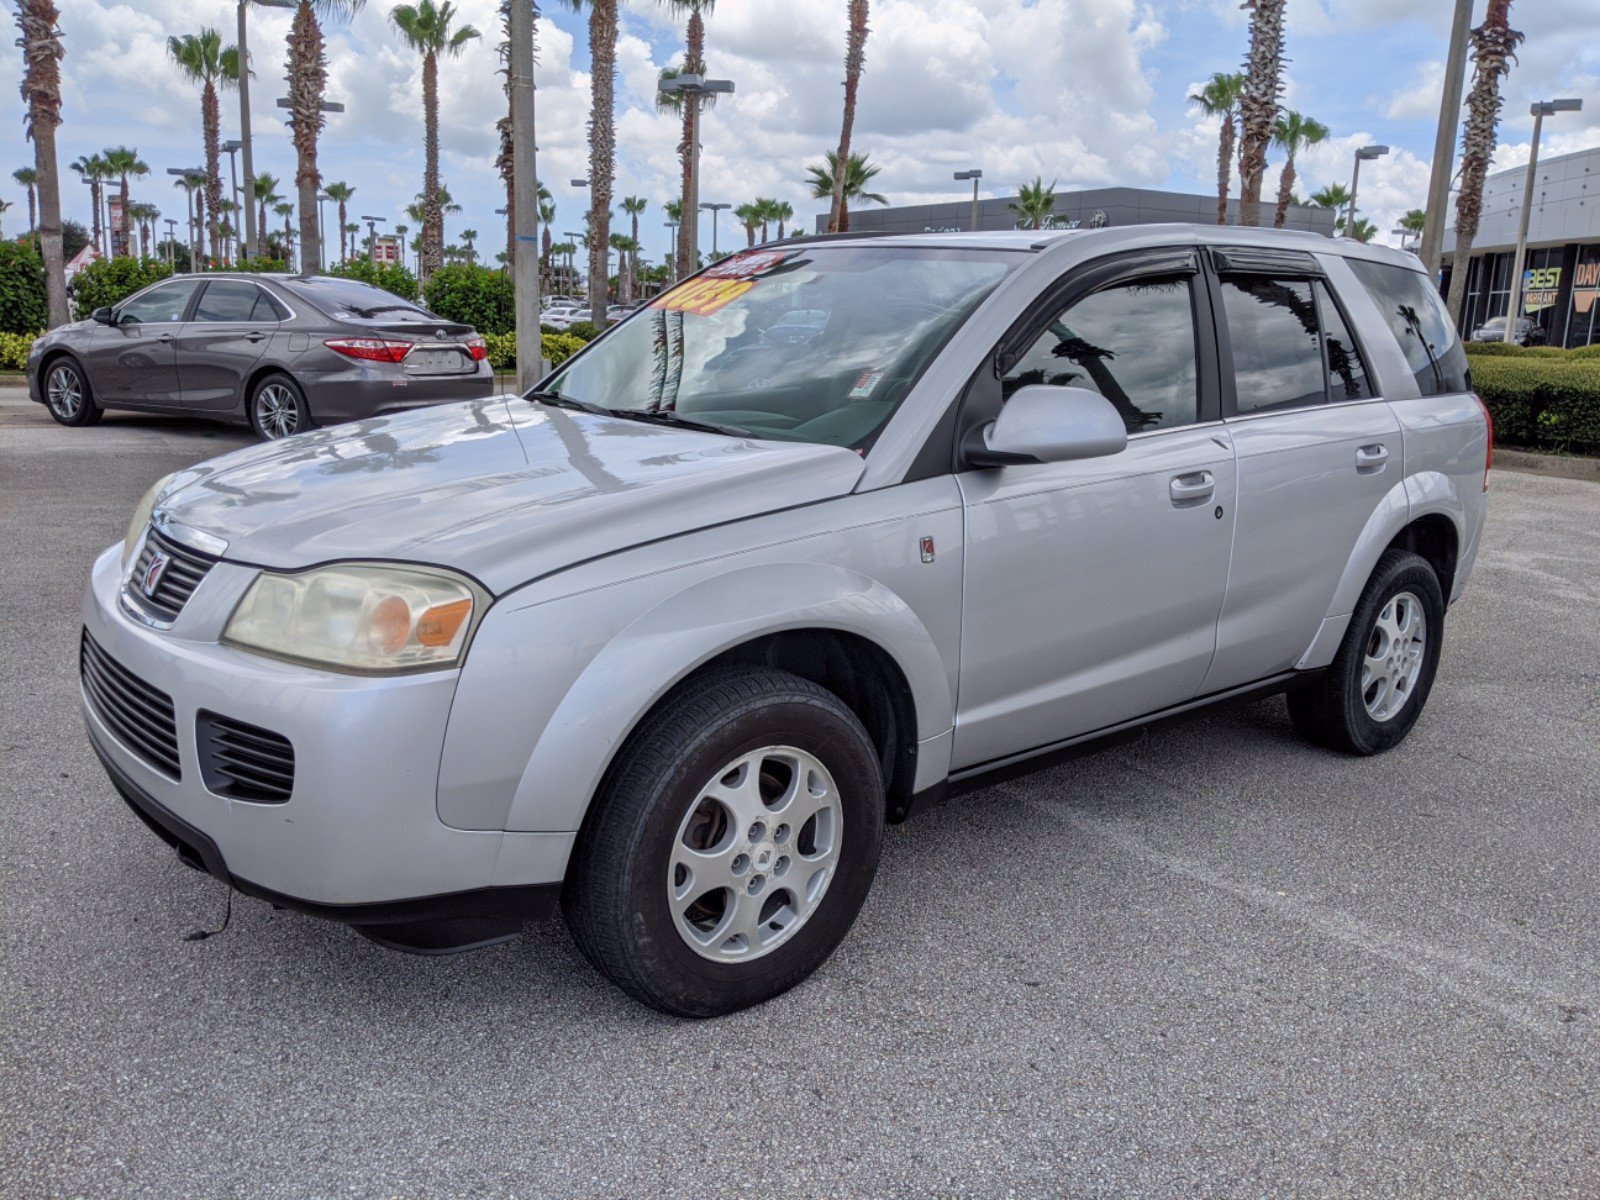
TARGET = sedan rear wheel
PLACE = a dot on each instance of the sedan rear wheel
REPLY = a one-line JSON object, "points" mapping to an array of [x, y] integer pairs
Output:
{"points": [[278, 408], [67, 394]]}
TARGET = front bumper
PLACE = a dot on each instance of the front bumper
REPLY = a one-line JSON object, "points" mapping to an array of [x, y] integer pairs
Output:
{"points": [[361, 828]]}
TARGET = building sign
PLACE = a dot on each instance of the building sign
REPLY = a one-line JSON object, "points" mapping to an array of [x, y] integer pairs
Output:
{"points": [[1585, 286], [386, 249], [1540, 287]]}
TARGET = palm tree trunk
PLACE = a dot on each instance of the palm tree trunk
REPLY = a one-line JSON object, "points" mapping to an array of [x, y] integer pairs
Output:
{"points": [[308, 80], [1493, 44], [1258, 106], [97, 233], [1285, 191], [432, 217], [41, 93], [1224, 166], [602, 149], [854, 59], [344, 252], [127, 227], [32, 212], [211, 124], [844, 214], [693, 64]]}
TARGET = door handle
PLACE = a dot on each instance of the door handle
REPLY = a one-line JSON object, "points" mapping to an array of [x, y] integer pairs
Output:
{"points": [[1192, 488], [165, 337], [1371, 458], [254, 336]]}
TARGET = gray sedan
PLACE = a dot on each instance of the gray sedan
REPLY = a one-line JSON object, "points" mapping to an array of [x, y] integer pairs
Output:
{"points": [[281, 353]]}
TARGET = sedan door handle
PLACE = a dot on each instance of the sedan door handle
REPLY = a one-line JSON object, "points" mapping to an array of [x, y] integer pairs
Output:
{"points": [[165, 337], [253, 336], [1371, 458], [1192, 488]]}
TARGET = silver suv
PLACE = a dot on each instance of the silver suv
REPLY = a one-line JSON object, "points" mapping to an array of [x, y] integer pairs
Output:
{"points": [[668, 641]]}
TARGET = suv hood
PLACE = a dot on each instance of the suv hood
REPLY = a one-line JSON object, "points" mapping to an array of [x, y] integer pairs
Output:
{"points": [[502, 489]]}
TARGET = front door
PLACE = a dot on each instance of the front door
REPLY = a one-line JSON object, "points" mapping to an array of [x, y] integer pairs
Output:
{"points": [[222, 341], [1092, 588], [134, 359]]}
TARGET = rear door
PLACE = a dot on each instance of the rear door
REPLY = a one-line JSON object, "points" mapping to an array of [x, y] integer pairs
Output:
{"points": [[224, 338], [1317, 452], [134, 360]]}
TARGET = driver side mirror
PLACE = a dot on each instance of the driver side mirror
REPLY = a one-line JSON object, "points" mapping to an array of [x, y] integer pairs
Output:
{"points": [[103, 316], [1044, 423]]}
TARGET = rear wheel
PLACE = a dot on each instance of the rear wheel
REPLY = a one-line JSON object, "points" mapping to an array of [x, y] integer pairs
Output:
{"points": [[1373, 692], [278, 408], [67, 394], [732, 847]]}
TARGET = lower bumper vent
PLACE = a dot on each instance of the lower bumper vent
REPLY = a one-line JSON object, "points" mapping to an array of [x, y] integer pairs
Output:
{"points": [[244, 762]]}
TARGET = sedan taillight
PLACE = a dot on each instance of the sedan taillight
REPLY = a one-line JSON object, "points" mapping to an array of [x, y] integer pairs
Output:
{"points": [[478, 348], [370, 349]]}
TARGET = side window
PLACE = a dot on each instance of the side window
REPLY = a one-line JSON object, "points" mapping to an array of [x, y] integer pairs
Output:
{"points": [[227, 300], [268, 308], [165, 303], [1347, 374], [1134, 344], [1276, 341], [1417, 317]]}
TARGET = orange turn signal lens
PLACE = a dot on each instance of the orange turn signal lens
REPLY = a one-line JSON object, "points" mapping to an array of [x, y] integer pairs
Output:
{"points": [[440, 624]]}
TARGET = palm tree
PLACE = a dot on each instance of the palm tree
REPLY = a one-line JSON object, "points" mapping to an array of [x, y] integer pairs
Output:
{"points": [[855, 57], [1258, 103], [469, 236], [1220, 98], [400, 232], [341, 193], [748, 215], [1034, 203], [203, 59], [28, 177], [1413, 223], [425, 26], [5, 207], [1494, 45], [694, 63], [39, 23], [191, 186], [602, 144], [782, 213], [264, 191], [858, 173], [92, 169], [625, 247], [1362, 231], [285, 209], [308, 80], [634, 206], [1335, 196], [146, 215], [1292, 133], [122, 161]]}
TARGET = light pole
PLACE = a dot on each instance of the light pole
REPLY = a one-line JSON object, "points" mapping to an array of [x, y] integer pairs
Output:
{"points": [[1366, 152], [322, 198], [713, 209], [672, 267], [372, 237], [1539, 111], [252, 244], [1444, 141], [692, 88], [172, 242], [974, 175], [574, 239], [524, 202], [311, 255], [231, 149]]}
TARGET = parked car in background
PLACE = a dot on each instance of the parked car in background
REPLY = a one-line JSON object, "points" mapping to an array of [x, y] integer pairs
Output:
{"points": [[563, 316], [668, 641], [283, 354], [1529, 333]]}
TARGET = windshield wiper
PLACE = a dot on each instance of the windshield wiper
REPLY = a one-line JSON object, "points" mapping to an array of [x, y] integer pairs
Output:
{"points": [[557, 400], [668, 416]]}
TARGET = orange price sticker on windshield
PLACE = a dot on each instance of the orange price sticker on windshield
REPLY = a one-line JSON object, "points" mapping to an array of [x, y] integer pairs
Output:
{"points": [[703, 296]]}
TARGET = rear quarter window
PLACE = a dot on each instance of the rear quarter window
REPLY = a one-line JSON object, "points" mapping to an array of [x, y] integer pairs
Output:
{"points": [[1421, 325]]}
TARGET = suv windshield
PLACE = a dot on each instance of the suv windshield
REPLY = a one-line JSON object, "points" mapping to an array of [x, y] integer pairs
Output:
{"points": [[815, 343]]}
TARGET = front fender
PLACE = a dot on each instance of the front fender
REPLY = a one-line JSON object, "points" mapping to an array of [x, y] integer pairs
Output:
{"points": [[601, 685]]}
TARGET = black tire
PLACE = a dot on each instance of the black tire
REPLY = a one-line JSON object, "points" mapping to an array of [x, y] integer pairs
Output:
{"points": [[66, 377], [616, 900], [273, 395], [1333, 712]]}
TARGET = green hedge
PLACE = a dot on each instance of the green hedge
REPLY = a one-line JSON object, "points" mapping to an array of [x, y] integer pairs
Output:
{"points": [[14, 349], [557, 347], [1501, 350], [111, 280], [1543, 401], [23, 306], [391, 277], [473, 295]]}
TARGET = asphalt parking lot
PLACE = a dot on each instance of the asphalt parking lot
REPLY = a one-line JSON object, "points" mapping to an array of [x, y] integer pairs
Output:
{"points": [[1210, 962]]}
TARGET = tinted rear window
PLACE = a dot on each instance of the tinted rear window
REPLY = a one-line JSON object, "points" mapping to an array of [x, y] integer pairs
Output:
{"points": [[352, 300], [1421, 324]]}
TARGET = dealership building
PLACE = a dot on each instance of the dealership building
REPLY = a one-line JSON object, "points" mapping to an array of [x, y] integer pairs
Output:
{"points": [[1089, 209], [1561, 275]]}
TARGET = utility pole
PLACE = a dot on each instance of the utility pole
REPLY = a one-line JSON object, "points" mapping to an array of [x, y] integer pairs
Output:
{"points": [[975, 174], [1444, 140], [524, 200], [1538, 111]]}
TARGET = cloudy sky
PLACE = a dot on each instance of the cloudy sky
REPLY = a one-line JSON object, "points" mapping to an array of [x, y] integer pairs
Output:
{"points": [[1087, 92]]}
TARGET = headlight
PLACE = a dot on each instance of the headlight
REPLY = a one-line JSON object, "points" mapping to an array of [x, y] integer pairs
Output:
{"points": [[368, 618], [141, 516]]}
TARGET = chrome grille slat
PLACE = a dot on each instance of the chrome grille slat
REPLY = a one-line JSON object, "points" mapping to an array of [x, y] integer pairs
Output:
{"points": [[185, 570], [140, 716], [244, 762]]}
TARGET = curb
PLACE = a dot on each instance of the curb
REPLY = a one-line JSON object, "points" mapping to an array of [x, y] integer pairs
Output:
{"points": [[1561, 466]]}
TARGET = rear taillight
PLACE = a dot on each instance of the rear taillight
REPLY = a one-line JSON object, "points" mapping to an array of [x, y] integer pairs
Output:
{"points": [[1488, 424], [370, 349], [478, 348]]}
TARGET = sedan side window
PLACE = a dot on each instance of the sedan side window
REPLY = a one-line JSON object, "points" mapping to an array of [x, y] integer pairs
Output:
{"points": [[1277, 343], [163, 304], [1134, 344], [227, 300]]}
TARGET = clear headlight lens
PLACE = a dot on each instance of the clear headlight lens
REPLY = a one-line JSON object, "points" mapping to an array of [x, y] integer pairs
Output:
{"points": [[365, 618], [141, 515]]}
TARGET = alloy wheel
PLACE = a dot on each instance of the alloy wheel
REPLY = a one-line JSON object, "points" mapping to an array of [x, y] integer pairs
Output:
{"points": [[277, 411], [755, 854], [64, 391], [1395, 651]]}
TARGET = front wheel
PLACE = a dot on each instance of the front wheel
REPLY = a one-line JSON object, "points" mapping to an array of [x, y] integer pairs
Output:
{"points": [[278, 408], [1373, 692], [732, 846], [67, 394]]}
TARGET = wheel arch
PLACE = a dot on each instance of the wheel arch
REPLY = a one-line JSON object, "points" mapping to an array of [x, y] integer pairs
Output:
{"points": [[260, 372]]}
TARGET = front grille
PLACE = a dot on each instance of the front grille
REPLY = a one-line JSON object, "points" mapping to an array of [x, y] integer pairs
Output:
{"points": [[244, 762], [175, 583], [139, 715]]}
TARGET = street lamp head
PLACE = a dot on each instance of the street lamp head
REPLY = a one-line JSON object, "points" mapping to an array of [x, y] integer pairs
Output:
{"points": [[272, 3], [579, 182], [1370, 152], [327, 106], [973, 174], [230, 147], [376, 220], [1545, 108], [186, 171], [708, 205]]}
